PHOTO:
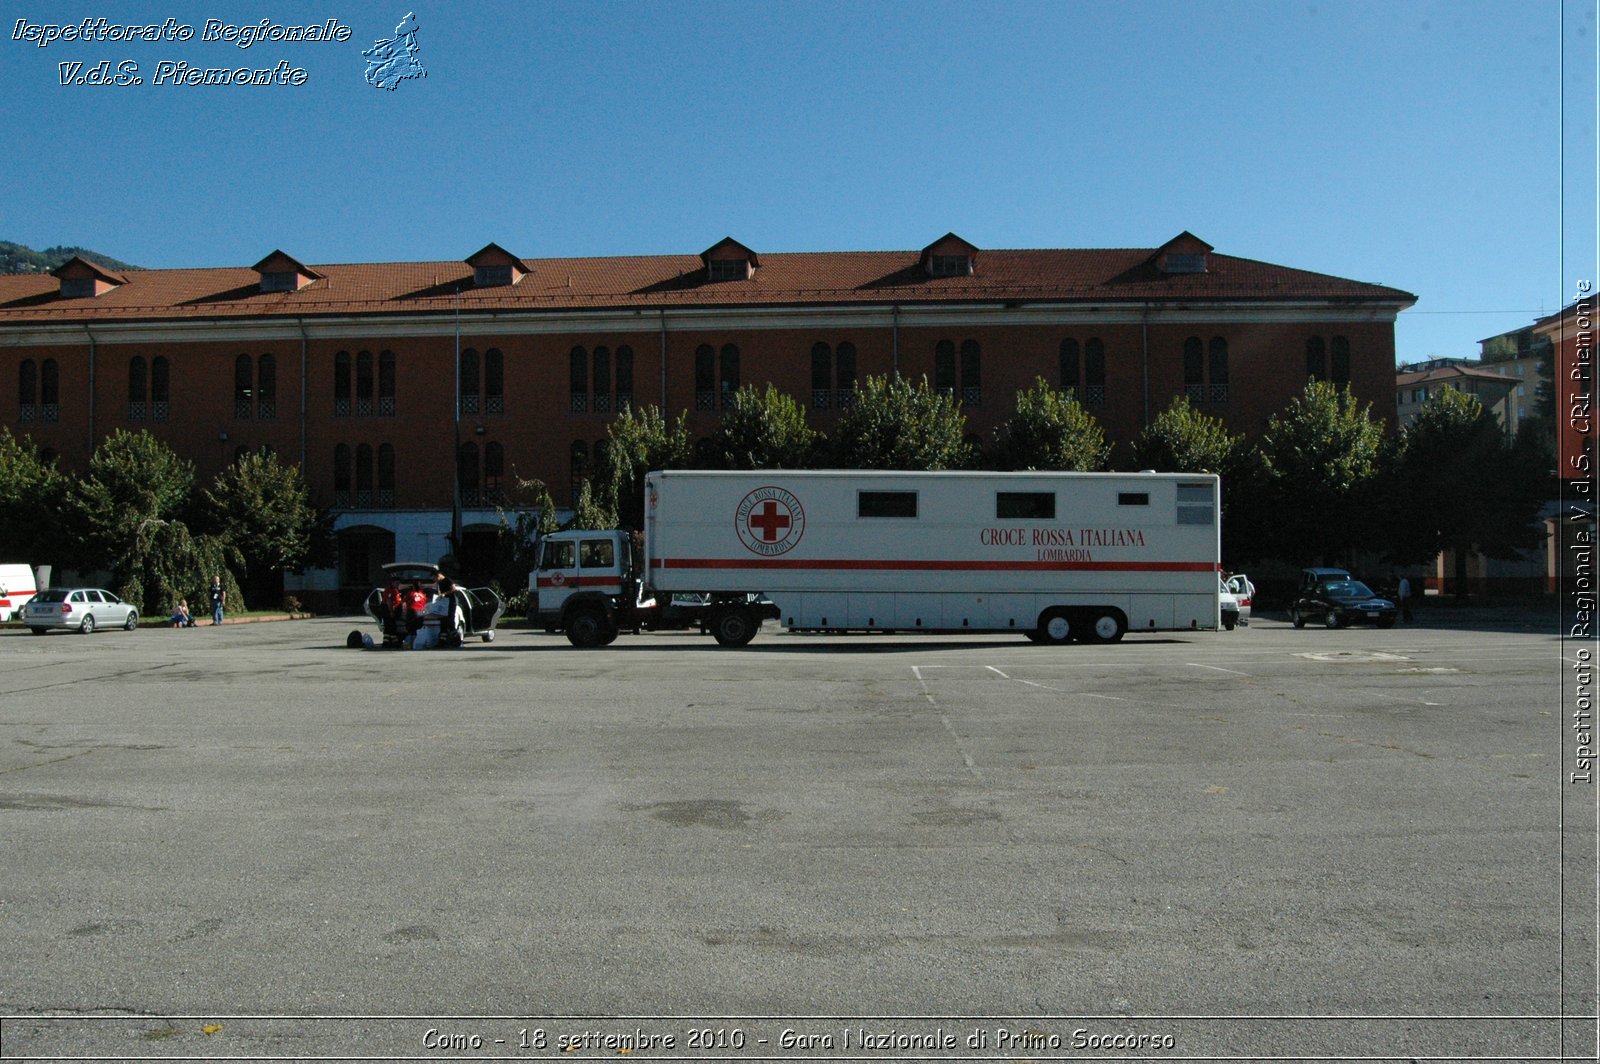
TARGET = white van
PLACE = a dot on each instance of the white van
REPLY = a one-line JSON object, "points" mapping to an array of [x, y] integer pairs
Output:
{"points": [[17, 586]]}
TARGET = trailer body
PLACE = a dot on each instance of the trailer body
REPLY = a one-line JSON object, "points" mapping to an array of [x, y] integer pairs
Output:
{"points": [[1054, 556]]}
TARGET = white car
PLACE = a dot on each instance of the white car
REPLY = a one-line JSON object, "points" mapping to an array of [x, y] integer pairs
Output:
{"points": [[1243, 590], [81, 609]]}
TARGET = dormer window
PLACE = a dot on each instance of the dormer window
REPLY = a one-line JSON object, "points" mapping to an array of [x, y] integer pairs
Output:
{"points": [[495, 267], [491, 276], [82, 279], [727, 270], [280, 281], [284, 273], [1186, 263], [729, 260], [950, 265], [949, 256], [1184, 253]]}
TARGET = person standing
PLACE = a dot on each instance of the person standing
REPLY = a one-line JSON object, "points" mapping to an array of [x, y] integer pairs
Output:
{"points": [[219, 598], [1403, 593]]}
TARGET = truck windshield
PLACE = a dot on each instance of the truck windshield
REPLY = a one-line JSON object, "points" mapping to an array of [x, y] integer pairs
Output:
{"points": [[557, 555]]}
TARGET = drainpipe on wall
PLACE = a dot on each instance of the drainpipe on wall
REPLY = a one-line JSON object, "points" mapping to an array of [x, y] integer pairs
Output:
{"points": [[1144, 344], [87, 332], [304, 341], [663, 315], [895, 334]]}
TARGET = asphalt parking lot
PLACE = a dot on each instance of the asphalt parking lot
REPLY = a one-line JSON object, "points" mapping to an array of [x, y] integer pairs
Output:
{"points": [[1267, 842]]}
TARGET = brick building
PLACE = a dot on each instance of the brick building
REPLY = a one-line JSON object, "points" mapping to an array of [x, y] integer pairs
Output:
{"points": [[351, 370]]}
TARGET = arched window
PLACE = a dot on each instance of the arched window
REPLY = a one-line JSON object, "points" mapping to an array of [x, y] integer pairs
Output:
{"points": [[1094, 372], [1194, 370], [705, 378], [267, 387], [386, 381], [1068, 362], [944, 367], [138, 382], [844, 376], [28, 389], [971, 373], [624, 377], [494, 469], [729, 364], [1340, 362], [49, 391], [494, 381], [469, 383], [386, 475], [578, 468], [1316, 359], [602, 379], [160, 388], [364, 385], [341, 476], [467, 475], [578, 379], [364, 498], [243, 393], [341, 384], [1217, 366], [821, 376]]}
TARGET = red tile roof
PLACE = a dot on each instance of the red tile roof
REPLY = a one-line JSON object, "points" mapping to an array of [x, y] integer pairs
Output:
{"points": [[1093, 276]]}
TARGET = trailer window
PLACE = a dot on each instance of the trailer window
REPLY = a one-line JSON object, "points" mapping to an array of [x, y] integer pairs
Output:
{"points": [[596, 554], [1025, 505], [1195, 505], [557, 555], [886, 504], [1133, 498]]}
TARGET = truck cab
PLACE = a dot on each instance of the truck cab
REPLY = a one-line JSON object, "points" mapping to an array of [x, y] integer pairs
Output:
{"points": [[585, 583]]}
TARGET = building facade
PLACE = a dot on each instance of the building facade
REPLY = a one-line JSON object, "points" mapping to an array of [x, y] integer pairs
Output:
{"points": [[388, 382]]}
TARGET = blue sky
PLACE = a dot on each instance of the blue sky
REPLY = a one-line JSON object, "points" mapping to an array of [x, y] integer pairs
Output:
{"points": [[1447, 148]]}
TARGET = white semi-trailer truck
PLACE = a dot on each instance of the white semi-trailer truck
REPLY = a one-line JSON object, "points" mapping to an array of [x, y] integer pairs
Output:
{"points": [[1052, 556]]}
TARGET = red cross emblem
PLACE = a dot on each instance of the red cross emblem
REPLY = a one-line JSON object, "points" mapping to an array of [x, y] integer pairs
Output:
{"points": [[769, 521]]}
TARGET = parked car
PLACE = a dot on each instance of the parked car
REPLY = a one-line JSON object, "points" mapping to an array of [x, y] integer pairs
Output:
{"points": [[1244, 592], [1337, 603], [1311, 579], [1230, 605], [82, 609], [408, 588]]}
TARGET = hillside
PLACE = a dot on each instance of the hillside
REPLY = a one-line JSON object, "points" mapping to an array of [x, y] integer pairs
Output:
{"points": [[18, 258]]}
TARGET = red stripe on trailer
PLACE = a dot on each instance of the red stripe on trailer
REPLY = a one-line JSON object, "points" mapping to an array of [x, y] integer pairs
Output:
{"points": [[936, 565]]}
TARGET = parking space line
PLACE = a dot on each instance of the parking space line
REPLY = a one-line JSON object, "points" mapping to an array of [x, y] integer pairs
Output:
{"points": [[1218, 668]]}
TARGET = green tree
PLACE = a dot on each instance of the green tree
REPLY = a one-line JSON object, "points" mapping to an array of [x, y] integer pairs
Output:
{"points": [[764, 430], [1181, 439], [590, 512], [894, 424], [32, 493], [1318, 460], [263, 508], [1454, 482], [640, 440], [1051, 430], [128, 508]]}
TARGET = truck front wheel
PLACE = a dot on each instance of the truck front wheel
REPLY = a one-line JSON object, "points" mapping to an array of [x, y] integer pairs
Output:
{"points": [[734, 626], [590, 628]]}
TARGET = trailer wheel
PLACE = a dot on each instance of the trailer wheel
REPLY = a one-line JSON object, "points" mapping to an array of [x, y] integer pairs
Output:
{"points": [[1055, 628], [589, 628], [734, 626], [1107, 626]]}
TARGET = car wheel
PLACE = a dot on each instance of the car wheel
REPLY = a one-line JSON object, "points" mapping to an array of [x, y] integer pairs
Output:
{"points": [[87, 626], [734, 626], [38, 631], [1107, 627], [1055, 628], [1229, 620], [1331, 620], [132, 622], [488, 637]]}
